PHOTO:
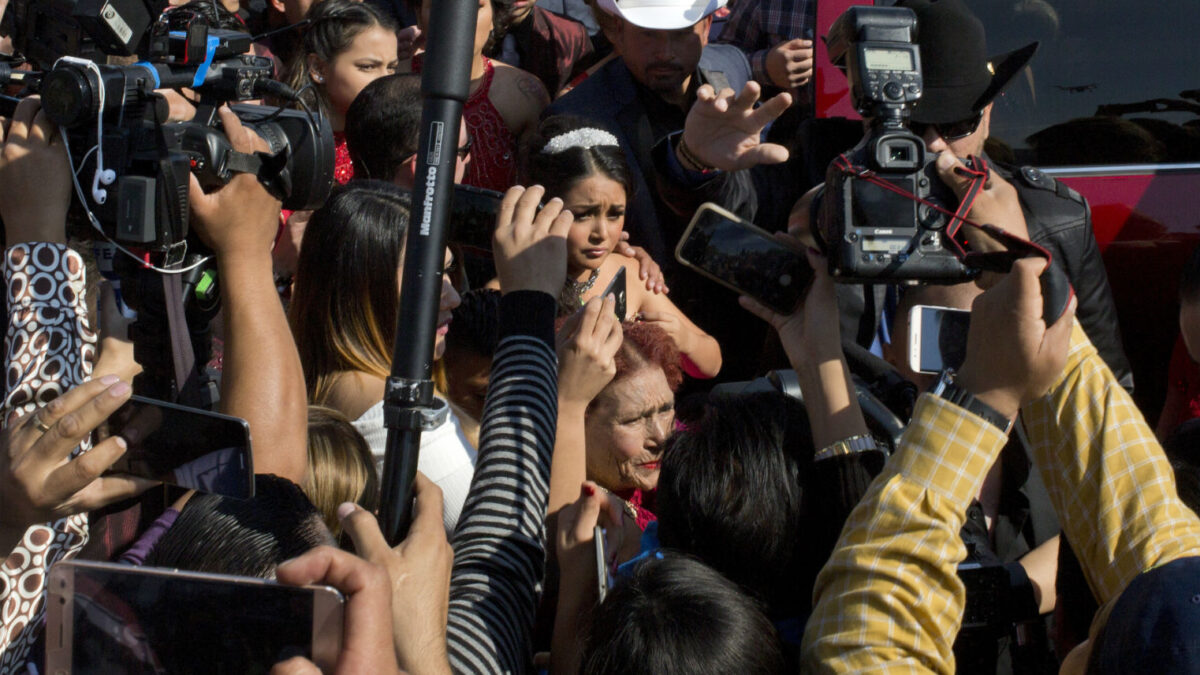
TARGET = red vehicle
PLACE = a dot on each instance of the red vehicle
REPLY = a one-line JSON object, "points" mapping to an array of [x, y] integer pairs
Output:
{"points": [[1111, 106]]}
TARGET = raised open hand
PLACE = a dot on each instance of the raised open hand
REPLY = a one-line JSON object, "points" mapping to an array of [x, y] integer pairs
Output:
{"points": [[724, 130]]}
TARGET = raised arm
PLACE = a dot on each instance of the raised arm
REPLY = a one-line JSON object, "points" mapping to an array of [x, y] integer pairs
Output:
{"points": [[263, 382], [499, 543]]}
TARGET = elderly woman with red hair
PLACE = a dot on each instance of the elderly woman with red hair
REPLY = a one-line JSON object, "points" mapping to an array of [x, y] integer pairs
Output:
{"points": [[617, 402]]}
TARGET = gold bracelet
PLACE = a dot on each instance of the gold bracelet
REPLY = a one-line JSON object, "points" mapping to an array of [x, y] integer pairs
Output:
{"points": [[847, 446]]}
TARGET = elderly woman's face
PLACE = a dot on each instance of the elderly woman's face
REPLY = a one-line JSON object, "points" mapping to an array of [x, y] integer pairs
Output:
{"points": [[626, 429]]}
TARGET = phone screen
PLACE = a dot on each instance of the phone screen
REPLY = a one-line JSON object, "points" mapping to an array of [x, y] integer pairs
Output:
{"points": [[943, 337], [188, 447], [745, 258], [149, 620]]}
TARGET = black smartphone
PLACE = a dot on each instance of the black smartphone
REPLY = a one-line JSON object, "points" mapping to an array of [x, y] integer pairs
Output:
{"points": [[473, 218], [937, 338], [110, 618], [740, 256], [618, 290], [188, 447]]}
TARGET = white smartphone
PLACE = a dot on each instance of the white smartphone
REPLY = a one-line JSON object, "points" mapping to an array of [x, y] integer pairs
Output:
{"points": [[110, 618], [937, 338], [603, 583]]}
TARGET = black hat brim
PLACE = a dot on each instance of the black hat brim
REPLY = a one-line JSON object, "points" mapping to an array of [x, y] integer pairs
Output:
{"points": [[941, 105]]}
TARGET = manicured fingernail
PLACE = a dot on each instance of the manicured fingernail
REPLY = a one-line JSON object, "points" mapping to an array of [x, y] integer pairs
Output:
{"points": [[109, 380], [588, 490], [555, 199], [121, 442], [347, 508], [119, 389]]}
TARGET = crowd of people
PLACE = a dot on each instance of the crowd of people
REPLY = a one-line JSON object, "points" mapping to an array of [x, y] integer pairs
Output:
{"points": [[615, 489]]}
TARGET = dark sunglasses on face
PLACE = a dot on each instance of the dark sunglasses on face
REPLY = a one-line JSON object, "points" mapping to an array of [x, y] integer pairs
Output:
{"points": [[949, 131]]}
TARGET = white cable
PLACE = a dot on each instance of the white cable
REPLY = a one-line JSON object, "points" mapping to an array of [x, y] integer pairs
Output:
{"points": [[96, 222], [102, 175]]}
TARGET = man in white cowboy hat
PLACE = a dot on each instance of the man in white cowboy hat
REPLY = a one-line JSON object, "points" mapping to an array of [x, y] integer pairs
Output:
{"points": [[643, 97]]}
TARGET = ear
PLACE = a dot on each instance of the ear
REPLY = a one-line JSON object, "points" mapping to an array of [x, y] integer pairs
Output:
{"points": [[406, 173], [277, 5], [316, 69]]}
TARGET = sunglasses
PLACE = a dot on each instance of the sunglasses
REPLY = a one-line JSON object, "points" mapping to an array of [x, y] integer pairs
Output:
{"points": [[464, 150], [949, 131]]}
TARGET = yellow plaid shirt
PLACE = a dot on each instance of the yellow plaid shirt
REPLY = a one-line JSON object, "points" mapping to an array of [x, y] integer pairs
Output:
{"points": [[889, 600]]}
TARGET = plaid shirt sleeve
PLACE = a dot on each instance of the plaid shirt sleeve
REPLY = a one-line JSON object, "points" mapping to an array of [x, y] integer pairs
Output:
{"points": [[1107, 476], [889, 599]]}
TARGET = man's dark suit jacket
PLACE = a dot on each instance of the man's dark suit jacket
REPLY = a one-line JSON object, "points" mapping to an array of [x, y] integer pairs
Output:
{"points": [[610, 97]]}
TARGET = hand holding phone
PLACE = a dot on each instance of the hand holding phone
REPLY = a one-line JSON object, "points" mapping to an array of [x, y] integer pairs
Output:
{"points": [[105, 617], [742, 257], [188, 447]]}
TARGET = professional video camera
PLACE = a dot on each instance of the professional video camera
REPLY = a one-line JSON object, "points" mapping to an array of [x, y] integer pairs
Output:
{"points": [[883, 213], [115, 121]]}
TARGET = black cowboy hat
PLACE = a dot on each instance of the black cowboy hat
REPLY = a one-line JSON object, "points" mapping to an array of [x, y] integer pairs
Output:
{"points": [[959, 78]]}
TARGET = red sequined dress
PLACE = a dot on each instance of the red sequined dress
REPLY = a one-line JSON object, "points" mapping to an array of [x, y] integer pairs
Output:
{"points": [[493, 162], [343, 168]]}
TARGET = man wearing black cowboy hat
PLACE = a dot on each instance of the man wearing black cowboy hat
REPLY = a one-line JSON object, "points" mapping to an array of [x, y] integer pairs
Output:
{"points": [[954, 113]]}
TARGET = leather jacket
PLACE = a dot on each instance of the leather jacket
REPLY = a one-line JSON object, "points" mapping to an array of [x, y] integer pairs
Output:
{"points": [[1060, 220]]}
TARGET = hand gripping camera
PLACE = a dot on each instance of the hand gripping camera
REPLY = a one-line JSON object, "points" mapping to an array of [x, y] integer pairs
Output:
{"points": [[883, 214], [133, 165]]}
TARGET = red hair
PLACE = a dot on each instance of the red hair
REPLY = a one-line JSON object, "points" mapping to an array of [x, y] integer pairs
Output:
{"points": [[645, 345]]}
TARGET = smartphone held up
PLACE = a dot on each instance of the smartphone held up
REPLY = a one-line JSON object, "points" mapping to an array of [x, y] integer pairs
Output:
{"points": [[744, 258]]}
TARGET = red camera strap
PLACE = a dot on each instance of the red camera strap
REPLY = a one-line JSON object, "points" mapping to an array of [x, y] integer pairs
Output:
{"points": [[977, 169]]}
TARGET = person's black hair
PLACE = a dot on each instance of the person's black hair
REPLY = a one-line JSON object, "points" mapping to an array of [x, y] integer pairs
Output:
{"points": [[677, 615], [345, 299], [731, 493], [246, 537], [558, 172], [383, 125], [1189, 282], [332, 27], [476, 324]]}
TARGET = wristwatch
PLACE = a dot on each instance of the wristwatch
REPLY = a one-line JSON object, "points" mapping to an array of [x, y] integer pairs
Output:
{"points": [[948, 390]]}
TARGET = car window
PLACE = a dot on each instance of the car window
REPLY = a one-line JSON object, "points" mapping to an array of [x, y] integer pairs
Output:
{"points": [[1113, 82]]}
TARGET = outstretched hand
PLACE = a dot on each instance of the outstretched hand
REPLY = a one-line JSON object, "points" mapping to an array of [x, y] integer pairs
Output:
{"points": [[40, 481], [724, 130], [1013, 357], [530, 244], [588, 343], [36, 177], [366, 643], [810, 334], [419, 572]]}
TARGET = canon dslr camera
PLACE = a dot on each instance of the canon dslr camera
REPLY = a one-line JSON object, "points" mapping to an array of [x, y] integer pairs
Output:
{"points": [[874, 221]]}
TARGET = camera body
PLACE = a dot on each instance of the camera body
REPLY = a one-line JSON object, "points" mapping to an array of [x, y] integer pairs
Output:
{"points": [[867, 220], [138, 193]]}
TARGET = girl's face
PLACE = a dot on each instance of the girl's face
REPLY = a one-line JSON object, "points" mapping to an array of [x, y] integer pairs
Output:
{"points": [[598, 203], [372, 54]]}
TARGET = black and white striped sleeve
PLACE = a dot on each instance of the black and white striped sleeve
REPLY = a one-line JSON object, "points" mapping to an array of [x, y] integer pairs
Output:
{"points": [[499, 555]]}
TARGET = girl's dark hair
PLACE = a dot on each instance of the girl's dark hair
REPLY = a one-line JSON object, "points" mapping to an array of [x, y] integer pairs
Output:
{"points": [[332, 27], [677, 615], [246, 537], [731, 493], [558, 172], [345, 299], [476, 324]]}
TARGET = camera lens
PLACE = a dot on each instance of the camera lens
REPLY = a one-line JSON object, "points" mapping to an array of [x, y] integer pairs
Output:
{"points": [[67, 97]]}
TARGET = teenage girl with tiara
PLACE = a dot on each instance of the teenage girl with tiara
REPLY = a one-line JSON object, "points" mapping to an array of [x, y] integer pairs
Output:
{"points": [[582, 164]]}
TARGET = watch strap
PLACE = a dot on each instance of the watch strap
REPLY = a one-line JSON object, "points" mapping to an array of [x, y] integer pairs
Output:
{"points": [[949, 391]]}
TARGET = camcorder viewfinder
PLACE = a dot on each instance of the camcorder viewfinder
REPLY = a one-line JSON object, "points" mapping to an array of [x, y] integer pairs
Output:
{"points": [[882, 216]]}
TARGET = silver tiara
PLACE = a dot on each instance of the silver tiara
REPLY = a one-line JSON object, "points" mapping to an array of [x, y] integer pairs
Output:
{"points": [[587, 137]]}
